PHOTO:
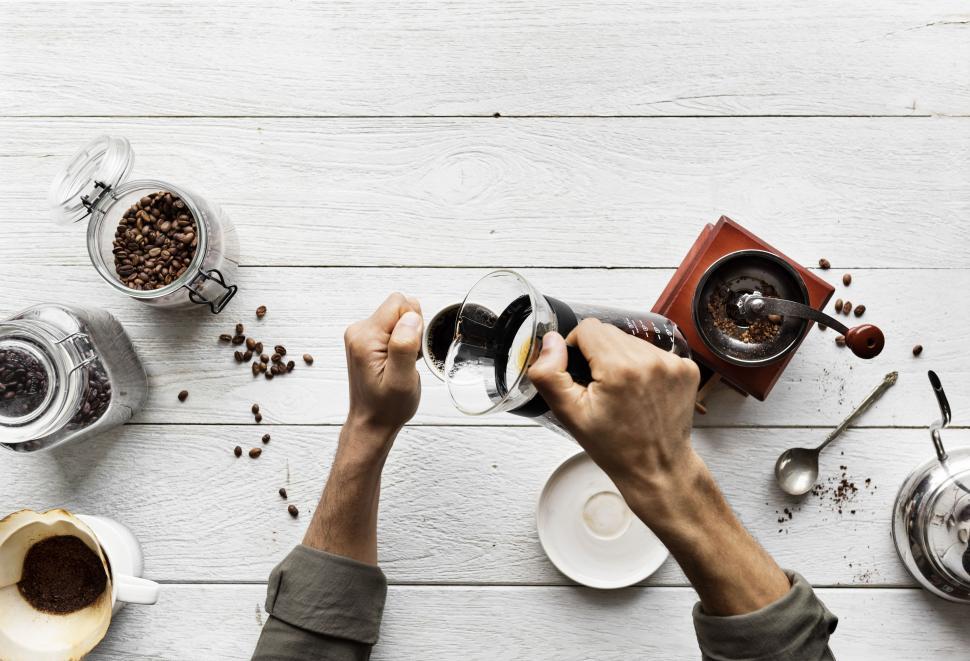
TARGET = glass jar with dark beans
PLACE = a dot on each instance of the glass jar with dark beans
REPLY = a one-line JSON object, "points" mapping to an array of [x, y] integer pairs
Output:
{"points": [[71, 373], [154, 241]]}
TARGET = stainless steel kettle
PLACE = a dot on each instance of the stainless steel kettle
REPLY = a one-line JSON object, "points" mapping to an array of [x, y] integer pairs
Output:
{"points": [[931, 517]]}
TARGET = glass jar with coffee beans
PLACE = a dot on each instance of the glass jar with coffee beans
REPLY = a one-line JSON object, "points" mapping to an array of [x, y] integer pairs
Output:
{"points": [[66, 373], [154, 241]]}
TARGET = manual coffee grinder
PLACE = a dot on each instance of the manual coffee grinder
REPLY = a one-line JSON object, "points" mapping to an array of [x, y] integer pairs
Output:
{"points": [[744, 308]]}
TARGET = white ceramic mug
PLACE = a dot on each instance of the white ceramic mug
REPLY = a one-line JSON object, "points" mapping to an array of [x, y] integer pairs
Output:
{"points": [[127, 563]]}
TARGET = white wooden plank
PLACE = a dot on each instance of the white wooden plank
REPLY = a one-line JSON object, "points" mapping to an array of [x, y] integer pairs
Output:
{"points": [[309, 309], [530, 623], [544, 57], [535, 192], [458, 505]]}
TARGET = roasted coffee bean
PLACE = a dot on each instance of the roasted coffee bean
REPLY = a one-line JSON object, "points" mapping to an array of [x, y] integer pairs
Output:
{"points": [[250, 343], [237, 451], [255, 409], [255, 452], [847, 307], [269, 375], [261, 312], [184, 395], [258, 418], [238, 339], [154, 242], [838, 305], [264, 358], [822, 327], [290, 365], [294, 512], [239, 356], [859, 310], [824, 264], [280, 349], [256, 365], [274, 370], [240, 329], [847, 279], [225, 337], [308, 359], [276, 358], [258, 348], [266, 438], [918, 349], [23, 383], [282, 493], [248, 356], [840, 341]]}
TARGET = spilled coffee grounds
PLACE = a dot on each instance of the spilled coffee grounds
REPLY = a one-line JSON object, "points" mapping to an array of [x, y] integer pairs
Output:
{"points": [[62, 575]]}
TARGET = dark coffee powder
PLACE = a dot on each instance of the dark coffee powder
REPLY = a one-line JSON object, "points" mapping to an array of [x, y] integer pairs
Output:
{"points": [[62, 575]]}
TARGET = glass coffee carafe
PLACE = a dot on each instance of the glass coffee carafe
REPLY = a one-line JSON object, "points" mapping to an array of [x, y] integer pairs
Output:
{"points": [[497, 334]]}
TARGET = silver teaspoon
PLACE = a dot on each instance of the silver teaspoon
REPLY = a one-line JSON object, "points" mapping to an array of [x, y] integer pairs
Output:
{"points": [[797, 468]]}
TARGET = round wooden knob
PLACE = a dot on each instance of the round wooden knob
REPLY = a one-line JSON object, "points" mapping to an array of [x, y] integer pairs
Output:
{"points": [[865, 340]]}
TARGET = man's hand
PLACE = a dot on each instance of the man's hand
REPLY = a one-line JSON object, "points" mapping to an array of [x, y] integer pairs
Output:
{"points": [[385, 387], [385, 390], [634, 419]]}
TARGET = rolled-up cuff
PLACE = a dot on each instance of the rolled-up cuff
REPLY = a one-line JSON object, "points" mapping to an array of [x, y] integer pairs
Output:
{"points": [[794, 628], [328, 594]]}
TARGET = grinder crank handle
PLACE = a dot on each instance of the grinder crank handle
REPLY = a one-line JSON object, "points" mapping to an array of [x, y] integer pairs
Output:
{"points": [[865, 340]]}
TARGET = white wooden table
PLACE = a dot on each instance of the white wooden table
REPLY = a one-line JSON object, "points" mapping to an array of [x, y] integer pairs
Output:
{"points": [[355, 147]]}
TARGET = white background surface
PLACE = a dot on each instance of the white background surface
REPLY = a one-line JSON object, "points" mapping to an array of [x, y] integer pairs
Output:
{"points": [[353, 144]]}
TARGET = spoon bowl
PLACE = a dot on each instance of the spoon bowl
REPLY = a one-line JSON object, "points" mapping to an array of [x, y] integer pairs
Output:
{"points": [[796, 470]]}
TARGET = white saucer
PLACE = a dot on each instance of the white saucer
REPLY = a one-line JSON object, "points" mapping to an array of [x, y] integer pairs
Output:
{"points": [[589, 533]]}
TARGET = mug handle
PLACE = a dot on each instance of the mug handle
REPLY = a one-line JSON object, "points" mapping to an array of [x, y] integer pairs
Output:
{"points": [[134, 590]]}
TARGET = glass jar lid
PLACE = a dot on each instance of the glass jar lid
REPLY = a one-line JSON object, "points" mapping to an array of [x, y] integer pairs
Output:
{"points": [[99, 166]]}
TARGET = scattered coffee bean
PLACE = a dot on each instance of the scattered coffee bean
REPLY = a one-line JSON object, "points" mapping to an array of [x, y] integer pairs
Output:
{"points": [[261, 312], [308, 359], [184, 395], [280, 349], [264, 358], [239, 356], [824, 264], [255, 409], [290, 365], [918, 349], [154, 242], [847, 279], [822, 327], [838, 305], [250, 343], [776, 319], [258, 348], [282, 493], [248, 356], [238, 339], [255, 452], [225, 337], [276, 358], [274, 370], [859, 310], [240, 329], [847, 307], [294, 512], [256, 365], [266, 438], [237, 451], [258, 418], [269, 375], [840, 341]]}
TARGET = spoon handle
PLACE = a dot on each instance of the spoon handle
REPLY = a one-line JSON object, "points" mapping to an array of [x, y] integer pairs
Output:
{"points": [[888, 381]]}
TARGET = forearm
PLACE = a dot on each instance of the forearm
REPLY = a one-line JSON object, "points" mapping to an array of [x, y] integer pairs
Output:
{"points": [[345, 521], [730, 571]]}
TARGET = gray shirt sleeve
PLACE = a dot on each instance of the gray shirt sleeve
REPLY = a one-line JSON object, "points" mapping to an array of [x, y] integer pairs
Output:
{"points": [[794, 628], [322, 606]]}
